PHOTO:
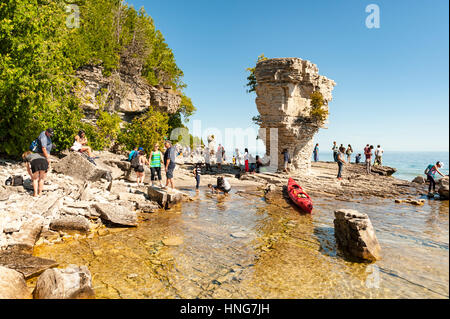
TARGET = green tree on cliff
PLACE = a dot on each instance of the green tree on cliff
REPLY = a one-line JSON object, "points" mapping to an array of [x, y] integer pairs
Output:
{"points": [[251, 84]]}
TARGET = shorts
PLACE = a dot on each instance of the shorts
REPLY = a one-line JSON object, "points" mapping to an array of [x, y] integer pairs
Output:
{"points": [[139, 169], [169, 172], [39, 164]]}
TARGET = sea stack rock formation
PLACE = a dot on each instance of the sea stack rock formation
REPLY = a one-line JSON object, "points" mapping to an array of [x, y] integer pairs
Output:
{"points": [[284, 88]]}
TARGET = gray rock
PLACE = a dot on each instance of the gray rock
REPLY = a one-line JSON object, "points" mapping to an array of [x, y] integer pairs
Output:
{"points": [[76, 223], [116, 214], [164, 198], [355, 235], [72, 282], [28, 265], [419, 180], [78, 167], [443, 188], [13, 285], [25, 239]]}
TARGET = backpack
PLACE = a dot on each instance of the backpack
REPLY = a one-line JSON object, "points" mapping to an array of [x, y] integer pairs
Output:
{"points": [[135, 162], [15, 180], [427, 170], [34, 146]]}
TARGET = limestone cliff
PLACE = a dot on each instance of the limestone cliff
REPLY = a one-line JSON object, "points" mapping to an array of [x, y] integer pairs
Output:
{"points": [[283, 90], [126, 92]]}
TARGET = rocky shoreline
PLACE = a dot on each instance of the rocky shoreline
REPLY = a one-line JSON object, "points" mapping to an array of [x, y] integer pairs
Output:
{"points": [[82, 200]]}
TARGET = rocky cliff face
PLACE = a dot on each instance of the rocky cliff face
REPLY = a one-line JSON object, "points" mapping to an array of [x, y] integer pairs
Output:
{"points": [[126, 92], [283, 100]]}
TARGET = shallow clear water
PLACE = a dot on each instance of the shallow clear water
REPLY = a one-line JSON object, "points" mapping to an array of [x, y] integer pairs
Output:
{"points": [[241, 247]]}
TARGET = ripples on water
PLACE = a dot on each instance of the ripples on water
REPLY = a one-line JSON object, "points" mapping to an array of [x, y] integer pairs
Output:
{"points": [[241, 247]]}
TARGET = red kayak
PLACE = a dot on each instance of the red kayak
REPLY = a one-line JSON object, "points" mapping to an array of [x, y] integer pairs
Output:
{"points": [[299, 197]]}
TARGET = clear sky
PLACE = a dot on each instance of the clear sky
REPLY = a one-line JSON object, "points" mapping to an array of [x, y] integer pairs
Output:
{"points": [[392, 81]]}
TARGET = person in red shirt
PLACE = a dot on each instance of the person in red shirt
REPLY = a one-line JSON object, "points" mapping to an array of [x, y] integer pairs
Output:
{"points": [[368, 154]]}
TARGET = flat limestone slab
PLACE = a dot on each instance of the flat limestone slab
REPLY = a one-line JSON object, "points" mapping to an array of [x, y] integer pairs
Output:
{"points": [[30, 266]]}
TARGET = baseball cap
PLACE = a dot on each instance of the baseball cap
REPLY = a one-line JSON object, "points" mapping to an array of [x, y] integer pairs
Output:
{"points": [[50, 131], [140, 149]]}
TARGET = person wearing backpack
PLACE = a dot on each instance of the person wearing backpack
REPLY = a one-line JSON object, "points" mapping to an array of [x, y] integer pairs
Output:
{"points": [[138, 164], [431, 171], [43, 144], [37, 167]]}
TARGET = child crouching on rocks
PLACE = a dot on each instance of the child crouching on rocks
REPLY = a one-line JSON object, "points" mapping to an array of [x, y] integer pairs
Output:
{"points": [[222, 185]]}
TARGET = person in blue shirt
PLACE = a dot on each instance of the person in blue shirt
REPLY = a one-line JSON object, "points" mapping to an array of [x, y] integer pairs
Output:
{"points": [[44, 143], [431, 171], [316, 153]]}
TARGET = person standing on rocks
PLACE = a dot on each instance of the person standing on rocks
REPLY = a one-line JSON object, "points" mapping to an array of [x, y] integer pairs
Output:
{"points": [[246, 160], [156, 159], [316, 153], [197, 173], [44, 144], [368, 154], [219, 157], [349, 153], [238, 158], [431, 171], [335, 150], [37, 166], [207, 160], [169, 162], [287, 160], [378, 156], [140, 170], [341, 162]]}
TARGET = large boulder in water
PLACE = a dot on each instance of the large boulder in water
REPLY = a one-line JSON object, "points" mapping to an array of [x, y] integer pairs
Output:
{"points": [[72, 282], [355, 235], [79, 167], [443, 187]]}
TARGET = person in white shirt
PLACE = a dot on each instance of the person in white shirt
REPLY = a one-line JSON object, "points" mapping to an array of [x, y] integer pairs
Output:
{"points": [[378, 156], [207, 155], [223, 185], [238, 157]]}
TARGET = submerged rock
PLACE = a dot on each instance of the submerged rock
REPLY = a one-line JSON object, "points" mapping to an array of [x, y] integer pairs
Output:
{"points": [[73, 282], [355, 235]]}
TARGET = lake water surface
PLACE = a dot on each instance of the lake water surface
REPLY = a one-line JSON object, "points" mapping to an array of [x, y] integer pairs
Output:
{"points": [[241, 247]]}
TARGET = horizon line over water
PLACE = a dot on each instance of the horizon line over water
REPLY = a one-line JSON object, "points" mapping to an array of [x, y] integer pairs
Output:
{"points": [[409, 164]]}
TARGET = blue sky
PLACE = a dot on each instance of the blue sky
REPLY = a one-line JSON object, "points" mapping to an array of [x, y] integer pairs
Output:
{"points": [[392, 82]]}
